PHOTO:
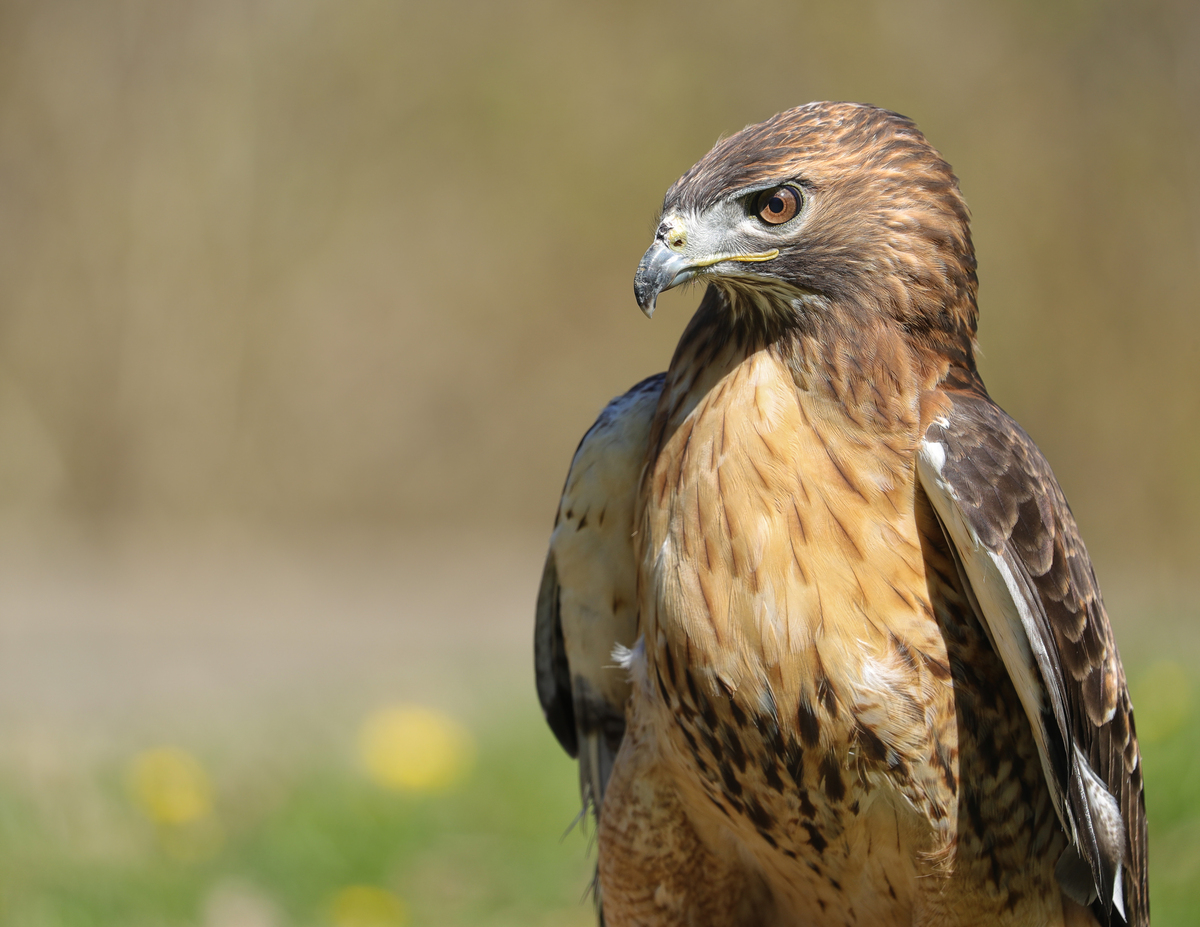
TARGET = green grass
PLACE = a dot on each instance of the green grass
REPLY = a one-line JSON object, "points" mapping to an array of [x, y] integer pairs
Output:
{"points": [[286, 835], [292, 827], [1169, 729]]}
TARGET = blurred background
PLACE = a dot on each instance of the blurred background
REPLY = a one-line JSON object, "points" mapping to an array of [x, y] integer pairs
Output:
{"points": [[303, 308]]}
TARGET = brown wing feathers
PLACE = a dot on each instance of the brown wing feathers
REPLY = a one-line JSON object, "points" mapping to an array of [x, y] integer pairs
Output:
{"points": [[1011, 499]]}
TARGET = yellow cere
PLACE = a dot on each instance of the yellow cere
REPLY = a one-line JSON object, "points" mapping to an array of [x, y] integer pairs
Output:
{"points": [[367, 906], [677, 237], [170, 786], [414, 749]]}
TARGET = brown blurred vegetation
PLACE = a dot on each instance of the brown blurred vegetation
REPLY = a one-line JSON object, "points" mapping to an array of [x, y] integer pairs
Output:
{"points": [[314, 261]]}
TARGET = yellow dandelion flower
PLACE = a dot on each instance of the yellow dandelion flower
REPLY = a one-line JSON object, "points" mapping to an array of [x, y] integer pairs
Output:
{"points": [[414, 749], [170, 786], [367, 906]]}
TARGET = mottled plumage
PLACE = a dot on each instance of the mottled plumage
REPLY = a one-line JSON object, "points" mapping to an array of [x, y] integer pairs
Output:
{"points": [[867, 676]]}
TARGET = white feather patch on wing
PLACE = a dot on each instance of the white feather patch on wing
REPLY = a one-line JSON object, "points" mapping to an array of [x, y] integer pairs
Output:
{"points": [[1006, 612], [1107, 822]]}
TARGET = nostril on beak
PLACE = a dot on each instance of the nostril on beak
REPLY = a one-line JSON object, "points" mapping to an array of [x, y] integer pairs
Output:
{"points": [[672, 233], [673, 236]]}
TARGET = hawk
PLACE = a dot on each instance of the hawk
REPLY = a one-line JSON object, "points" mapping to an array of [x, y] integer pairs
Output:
{"points": [[866, 675]]}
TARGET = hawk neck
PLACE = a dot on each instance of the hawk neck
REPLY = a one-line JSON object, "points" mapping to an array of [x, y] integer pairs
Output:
{"points": [[857, 369]]}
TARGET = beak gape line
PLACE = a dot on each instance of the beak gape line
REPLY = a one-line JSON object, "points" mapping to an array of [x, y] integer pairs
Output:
{"points": [[662, 268]]}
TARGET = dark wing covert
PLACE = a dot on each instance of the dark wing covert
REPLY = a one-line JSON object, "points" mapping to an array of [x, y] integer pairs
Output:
{"points": [[1033, 587]]}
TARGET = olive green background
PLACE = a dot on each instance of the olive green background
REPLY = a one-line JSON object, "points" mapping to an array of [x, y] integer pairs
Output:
{"points": [[373, 260]]}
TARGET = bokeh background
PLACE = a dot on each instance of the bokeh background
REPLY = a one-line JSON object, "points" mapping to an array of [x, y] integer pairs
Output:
{"points": [[304, 305]]}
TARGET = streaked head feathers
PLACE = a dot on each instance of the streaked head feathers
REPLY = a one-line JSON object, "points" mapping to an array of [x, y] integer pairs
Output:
{"points": [[881, 227]]}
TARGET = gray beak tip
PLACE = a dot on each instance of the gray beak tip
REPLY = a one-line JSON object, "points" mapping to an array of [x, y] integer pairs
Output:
{"points": [[659, 270]]}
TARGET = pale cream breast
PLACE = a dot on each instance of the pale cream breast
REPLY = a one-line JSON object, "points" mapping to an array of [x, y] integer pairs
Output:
{"points": [[781, 548]]}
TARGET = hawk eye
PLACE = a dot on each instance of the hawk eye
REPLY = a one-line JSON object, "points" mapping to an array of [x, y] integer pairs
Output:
{"points": [[777, 206]]}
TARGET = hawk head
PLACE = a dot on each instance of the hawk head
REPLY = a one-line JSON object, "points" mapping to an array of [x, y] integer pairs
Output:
{"points": [[825, 208]]}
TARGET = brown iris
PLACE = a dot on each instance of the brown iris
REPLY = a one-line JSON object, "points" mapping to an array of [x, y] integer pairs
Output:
{"points": [[777, 206]]}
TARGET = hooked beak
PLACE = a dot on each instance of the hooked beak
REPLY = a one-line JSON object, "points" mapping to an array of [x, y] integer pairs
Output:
{"points": [[666, 265], [660, 269]]}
